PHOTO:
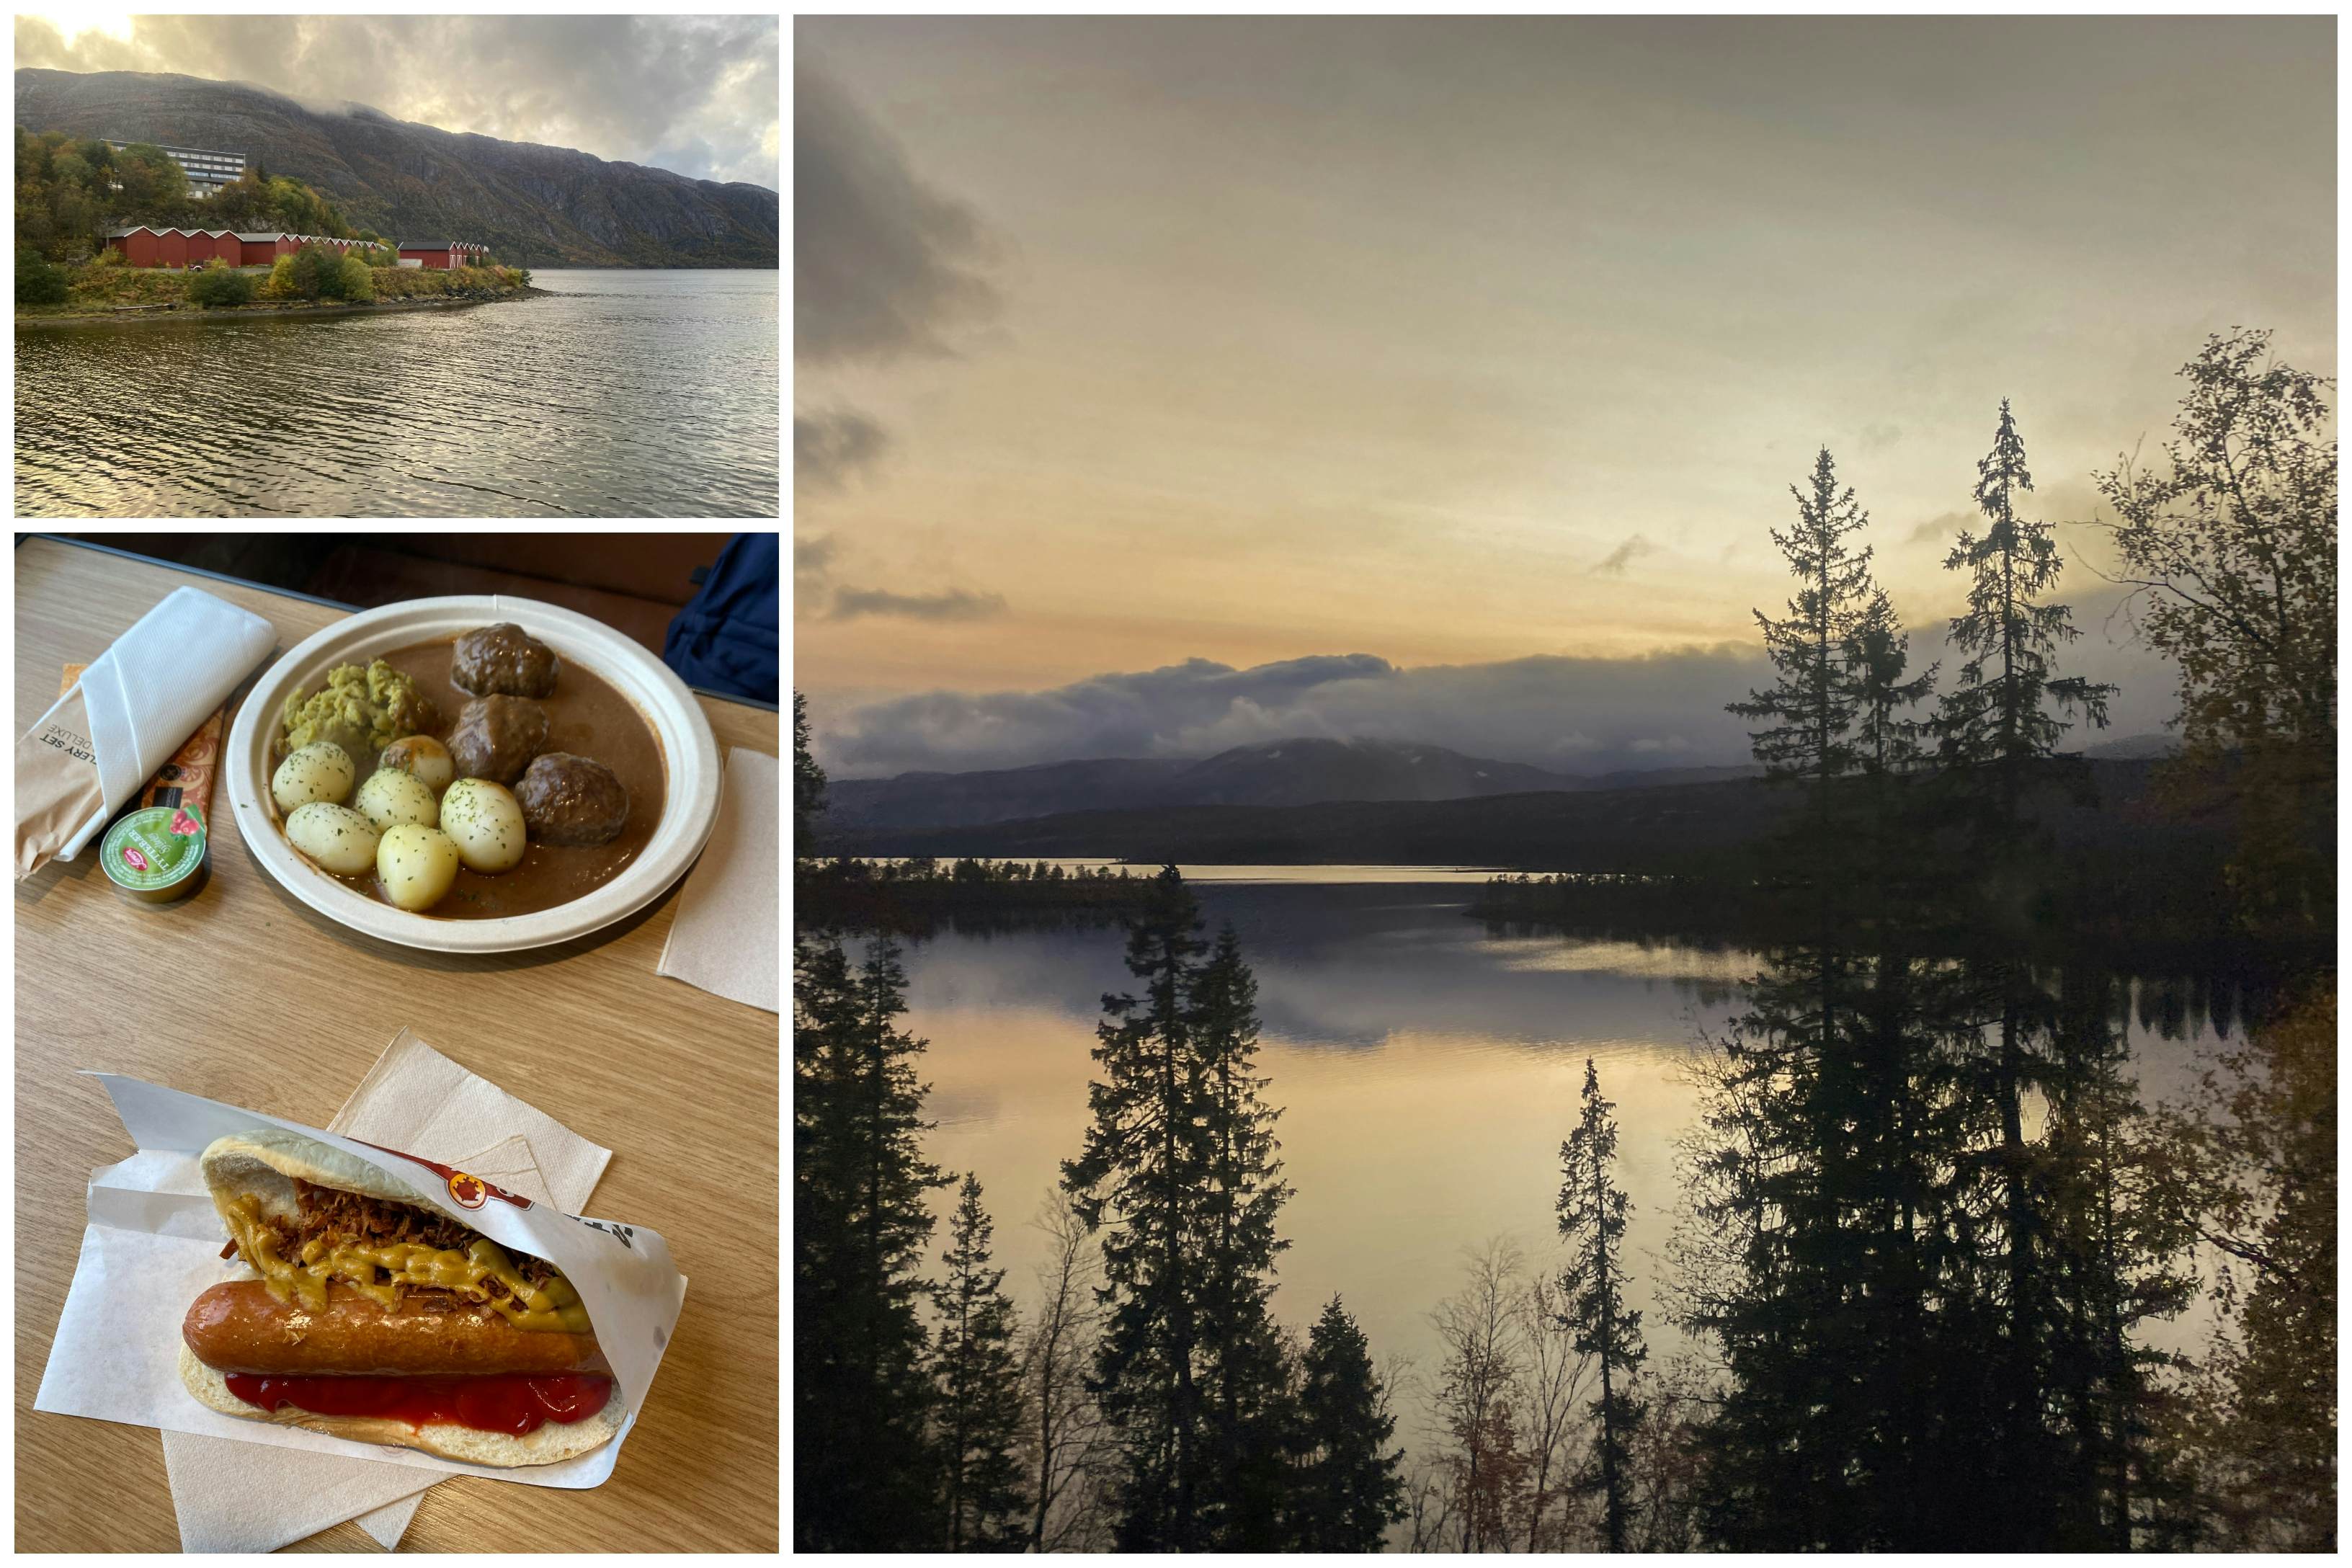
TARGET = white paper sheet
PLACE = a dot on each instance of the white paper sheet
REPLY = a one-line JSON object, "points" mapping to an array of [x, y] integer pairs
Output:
{"points": [[215, 1482], [152, 1244], [723, 938], [415, 1099]]}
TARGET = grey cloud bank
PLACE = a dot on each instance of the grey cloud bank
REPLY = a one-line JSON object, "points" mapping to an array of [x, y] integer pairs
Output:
{"points": [[884, 266], [1568, 713], [951, 604], [832, 447], [1576, 715], [696, 95]]}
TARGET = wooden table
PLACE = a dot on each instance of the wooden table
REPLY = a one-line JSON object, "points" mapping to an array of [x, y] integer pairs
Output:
{"points": [[681, 1084]]}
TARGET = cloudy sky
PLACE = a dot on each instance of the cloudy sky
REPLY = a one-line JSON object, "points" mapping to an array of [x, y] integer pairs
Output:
{"points": [[694, 95], [1166, 384]]}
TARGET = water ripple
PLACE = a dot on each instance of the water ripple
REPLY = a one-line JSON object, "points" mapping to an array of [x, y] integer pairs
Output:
{"points": [[628, 394]]}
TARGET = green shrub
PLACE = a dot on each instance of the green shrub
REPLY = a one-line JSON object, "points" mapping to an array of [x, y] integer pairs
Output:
{"points": [[108, 256], [355, 280], [281, 280], [317, 274], [218, 286], [37, 282], [327, 279]]}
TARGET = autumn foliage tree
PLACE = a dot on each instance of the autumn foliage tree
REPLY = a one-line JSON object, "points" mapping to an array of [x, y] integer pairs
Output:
{"points": [[2256, 1166], [2233, 547], [1485, 1470]]}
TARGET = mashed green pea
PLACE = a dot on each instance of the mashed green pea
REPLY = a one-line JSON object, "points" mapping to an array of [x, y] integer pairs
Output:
{"points": [[362, 710]]}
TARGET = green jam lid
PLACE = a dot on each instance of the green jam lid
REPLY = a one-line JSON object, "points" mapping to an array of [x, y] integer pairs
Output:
{"points": [[155, 852]]}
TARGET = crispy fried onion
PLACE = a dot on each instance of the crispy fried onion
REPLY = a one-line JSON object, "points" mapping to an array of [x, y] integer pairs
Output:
{"points": [[334, 1217]]}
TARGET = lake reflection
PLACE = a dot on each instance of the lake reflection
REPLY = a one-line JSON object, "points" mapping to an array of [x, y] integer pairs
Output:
{"points": [[1428, 1070]]}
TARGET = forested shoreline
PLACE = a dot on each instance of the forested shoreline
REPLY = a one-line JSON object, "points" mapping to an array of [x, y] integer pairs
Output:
{"points": [[1925, 1220]]}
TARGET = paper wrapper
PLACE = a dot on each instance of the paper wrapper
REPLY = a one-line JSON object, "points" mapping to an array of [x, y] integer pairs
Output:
{"points": [[135, 705], [152, 1246], [217, 1485], [724, 938], [415, 1099]]}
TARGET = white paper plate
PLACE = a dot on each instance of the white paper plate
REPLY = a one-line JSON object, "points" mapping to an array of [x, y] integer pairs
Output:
{"points": [[688, 750]]}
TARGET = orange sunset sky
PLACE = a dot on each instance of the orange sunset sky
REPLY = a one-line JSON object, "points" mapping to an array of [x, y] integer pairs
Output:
{"points": [[1486, 350]]}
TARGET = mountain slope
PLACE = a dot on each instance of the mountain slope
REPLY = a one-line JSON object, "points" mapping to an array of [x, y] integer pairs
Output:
{"points": [[1298, 772], [1666, 827], [542, 206]]}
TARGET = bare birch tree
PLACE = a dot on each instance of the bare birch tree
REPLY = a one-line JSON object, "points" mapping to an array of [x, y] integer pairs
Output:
{"points": [[1554, 1383], [1068, 1448]]}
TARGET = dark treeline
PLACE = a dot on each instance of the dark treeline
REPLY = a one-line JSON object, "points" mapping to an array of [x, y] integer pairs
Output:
{"points": [[1929, 1218], [1926, 1220], [915, 896], [1151, 1401]]}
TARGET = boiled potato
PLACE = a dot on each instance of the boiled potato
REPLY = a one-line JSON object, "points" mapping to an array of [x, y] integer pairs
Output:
{"points": [[321, 770], [425, 757], [486, 823], [336, 836], [391, 797], [417, 865]]}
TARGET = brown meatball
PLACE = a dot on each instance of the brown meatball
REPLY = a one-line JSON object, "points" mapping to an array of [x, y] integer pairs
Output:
{"points": [[497, 737], [503, 660], [571, 800]]}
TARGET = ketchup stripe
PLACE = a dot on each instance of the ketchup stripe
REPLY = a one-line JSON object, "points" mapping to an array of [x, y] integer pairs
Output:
{"points": [[513, 1402]]}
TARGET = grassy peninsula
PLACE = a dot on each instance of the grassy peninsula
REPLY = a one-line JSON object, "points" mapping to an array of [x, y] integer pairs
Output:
{"points": [[105, 290]]}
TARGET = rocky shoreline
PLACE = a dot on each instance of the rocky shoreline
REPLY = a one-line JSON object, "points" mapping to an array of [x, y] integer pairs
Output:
{"points": [[185, 312]]}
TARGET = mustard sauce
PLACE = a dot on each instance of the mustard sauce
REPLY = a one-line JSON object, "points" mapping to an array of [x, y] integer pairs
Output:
{"points": [[550, 1306]]}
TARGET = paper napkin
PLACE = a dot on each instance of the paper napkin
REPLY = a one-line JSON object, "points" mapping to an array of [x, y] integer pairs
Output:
{"points": [[132, 709], [723, 938], [417, 1100]]}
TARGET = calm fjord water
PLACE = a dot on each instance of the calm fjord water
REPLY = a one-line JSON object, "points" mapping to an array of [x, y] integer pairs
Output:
{"points": [[626, 393], [1428, 1067]]}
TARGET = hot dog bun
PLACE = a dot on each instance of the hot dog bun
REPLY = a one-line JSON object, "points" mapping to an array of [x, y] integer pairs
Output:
{"points": [[264, 1164], [552, 1444], [240, 1327], [362, 1277]]}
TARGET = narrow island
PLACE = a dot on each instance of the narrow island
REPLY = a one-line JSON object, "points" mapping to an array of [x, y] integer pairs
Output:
{"points": [[126, 234]]}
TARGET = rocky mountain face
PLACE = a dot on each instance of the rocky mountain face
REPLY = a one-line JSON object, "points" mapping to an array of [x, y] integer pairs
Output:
{"points": [[532, 205]]}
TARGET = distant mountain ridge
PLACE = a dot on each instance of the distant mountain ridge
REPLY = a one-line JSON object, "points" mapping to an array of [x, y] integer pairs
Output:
{"points": [[1679, 827], [542, 206], [1290, 773]]}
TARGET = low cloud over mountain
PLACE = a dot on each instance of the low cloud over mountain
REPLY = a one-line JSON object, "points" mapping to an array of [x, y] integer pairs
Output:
{"points": [[1575, 715], [1586, 715]]}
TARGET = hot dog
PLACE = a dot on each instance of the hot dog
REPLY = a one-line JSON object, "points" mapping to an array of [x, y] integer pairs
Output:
{"points": [[240, 1327], [379, 1318]]}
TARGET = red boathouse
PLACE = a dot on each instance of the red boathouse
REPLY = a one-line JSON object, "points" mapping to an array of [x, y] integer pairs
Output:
{"points": [[441, 254], [144, 246], [138, 246]]}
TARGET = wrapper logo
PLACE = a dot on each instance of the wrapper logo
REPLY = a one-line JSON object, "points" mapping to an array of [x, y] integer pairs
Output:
{"points": [[464, 1190]]}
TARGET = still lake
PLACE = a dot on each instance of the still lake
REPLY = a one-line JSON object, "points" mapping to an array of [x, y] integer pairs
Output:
{"points": [[623, 393], [1427, 1067]]}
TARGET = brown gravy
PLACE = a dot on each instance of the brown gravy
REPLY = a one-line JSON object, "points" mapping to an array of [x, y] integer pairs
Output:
{"points": [[586, 716]]}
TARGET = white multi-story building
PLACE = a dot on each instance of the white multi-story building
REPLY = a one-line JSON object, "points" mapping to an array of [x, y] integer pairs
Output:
{"points": [[208, 171]]}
